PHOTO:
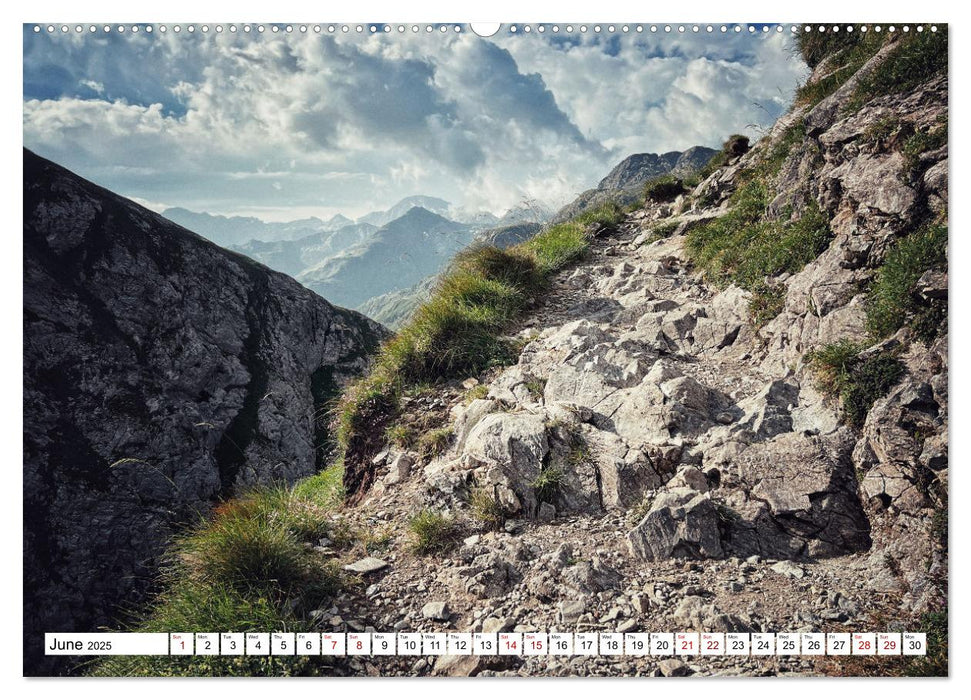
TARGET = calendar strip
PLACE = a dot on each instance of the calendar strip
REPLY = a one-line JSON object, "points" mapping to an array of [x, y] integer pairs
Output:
{"points": [[660, 644]]}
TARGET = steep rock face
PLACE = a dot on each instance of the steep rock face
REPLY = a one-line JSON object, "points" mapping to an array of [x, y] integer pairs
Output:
{"points": [[160, 373]]}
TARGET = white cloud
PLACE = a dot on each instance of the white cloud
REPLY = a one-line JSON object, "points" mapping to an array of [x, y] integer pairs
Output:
{"points": [[228, 123]]}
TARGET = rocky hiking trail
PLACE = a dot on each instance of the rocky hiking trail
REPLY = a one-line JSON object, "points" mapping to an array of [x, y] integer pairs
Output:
{"points": [[694, 489], [658, 460]]}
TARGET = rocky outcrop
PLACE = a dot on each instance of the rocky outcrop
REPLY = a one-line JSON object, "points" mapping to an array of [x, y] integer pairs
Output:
{"points": [[625, 182], [160, 373]]}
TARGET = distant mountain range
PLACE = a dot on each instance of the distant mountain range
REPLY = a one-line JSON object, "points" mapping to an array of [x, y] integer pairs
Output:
{"points": [[234, 230], [385, 262], [295, 256], [432, 204], [396, 256]]}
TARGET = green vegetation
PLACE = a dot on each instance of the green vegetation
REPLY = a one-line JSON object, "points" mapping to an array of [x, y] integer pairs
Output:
{"points": [[856, 381], [247, 569], [254, 544], [935, 625], [882, 129], [664, 230], [767, 302], [435, 442], [324, 489], [814, 46], [548, 483], [916, 58], [479, 391], [663, 189], [848, 54], [536, 387], [486, 508], [458, 332], [922, 141], [781, 148], [744, 247], [891, 302], [400, 435], [432, 531]]}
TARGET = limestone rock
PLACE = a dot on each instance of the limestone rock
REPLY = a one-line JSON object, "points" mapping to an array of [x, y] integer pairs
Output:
{"points": [[681, 523], [436, 610], [367, 565]]}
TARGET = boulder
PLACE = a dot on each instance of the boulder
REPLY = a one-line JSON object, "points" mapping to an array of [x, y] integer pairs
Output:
{"points": [[681, 523], [516, 445]]}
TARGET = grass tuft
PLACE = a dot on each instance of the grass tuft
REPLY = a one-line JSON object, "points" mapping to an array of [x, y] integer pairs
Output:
{"points": [[916, 58], [857, 382], [548, 483], [846, 60], [766, 303], [435, 442], [248, 568], [891, 302], [921, 142], [744, 247], [486, 508], [432, 531]]}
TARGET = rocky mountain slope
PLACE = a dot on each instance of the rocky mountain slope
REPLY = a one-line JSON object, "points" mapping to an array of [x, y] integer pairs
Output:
{"points": [[732, 416], [625, 183], [725, 409], [397, 256], [161, 373]]}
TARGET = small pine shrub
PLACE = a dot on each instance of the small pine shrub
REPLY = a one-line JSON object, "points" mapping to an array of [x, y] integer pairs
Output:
{"points": [[663, 189], [935, 663]]}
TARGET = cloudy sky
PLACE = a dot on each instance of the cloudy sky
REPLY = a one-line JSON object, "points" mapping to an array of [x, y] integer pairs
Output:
{"points": [[283, 126]]}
